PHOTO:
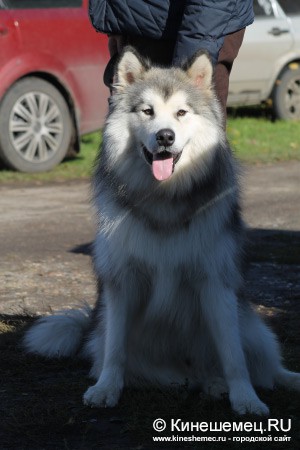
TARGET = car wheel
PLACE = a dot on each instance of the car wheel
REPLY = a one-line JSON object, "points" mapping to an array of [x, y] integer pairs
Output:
{"points": [[286, 98], [35, 126]]}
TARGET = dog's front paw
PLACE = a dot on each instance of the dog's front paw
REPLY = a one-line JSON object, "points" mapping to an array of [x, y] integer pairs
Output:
{"points": [[103, 394], [245, 401], [250, 406], [98, 396]]}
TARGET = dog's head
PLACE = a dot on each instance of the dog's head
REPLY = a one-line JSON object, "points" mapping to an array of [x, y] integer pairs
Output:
{"points": [[172, 113]]}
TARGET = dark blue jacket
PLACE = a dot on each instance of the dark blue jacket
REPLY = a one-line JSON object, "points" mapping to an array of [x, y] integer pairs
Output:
{"points": [[193, 24]]}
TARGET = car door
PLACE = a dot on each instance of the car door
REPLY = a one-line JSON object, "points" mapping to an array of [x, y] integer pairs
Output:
{"points": [[60, 32], [258, 62], [8, 38]]}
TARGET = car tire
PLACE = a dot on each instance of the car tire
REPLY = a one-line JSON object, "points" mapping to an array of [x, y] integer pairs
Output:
{"points": [[35, 126], [286, 97]]}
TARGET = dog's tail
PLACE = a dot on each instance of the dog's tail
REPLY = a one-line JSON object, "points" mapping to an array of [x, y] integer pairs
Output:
{"points": [[58, 335]]}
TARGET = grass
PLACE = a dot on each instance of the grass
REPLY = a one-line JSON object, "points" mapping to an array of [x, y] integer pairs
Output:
{"points": [[255, 139], [258, 140], [71, 169]]}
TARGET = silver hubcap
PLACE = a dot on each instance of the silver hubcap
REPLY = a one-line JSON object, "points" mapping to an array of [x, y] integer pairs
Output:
{"points": [[292, 98], [36, 127]]}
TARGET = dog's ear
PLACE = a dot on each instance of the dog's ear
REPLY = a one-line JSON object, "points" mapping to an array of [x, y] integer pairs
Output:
{"points": [[200, 70], [130, 68]]}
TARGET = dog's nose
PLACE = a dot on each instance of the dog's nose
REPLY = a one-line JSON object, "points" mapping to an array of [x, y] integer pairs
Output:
{"points": [[165, 137]]}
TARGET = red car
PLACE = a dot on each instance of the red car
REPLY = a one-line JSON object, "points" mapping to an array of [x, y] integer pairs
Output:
{"points": [[51, 88]]}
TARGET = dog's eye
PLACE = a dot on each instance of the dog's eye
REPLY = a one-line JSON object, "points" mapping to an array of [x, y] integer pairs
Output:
{"points": [[181, 113], [148, 111]]}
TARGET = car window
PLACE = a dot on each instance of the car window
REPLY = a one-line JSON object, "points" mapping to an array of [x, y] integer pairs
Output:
{"points": [[32, 4], [263, 8], [290, 6]]}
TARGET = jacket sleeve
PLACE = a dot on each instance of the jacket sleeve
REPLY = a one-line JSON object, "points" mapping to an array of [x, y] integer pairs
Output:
{"points": [[204, 24]]}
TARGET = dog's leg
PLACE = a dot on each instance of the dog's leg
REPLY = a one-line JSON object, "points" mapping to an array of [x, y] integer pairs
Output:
{"points": [[107, 390], [219, 306]]}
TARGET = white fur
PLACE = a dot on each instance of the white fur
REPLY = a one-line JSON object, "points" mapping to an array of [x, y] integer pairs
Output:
{"points": [[58, 335], [169, 312]]}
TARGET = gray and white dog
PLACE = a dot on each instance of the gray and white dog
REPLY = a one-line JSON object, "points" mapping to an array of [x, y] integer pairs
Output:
{"points": [[168, 250]]}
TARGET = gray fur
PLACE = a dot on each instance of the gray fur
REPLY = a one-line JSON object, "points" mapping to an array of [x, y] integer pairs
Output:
{"points": [[167, 255]]}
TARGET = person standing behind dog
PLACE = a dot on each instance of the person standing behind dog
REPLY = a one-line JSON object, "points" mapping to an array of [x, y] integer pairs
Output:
{"points": [[169, 32]]}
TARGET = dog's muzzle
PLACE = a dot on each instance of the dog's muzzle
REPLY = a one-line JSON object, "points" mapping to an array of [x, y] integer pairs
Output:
{"points": [[162, 162]]}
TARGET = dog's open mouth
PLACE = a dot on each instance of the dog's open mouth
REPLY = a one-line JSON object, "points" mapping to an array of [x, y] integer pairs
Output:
{"points": [[162, 163]]}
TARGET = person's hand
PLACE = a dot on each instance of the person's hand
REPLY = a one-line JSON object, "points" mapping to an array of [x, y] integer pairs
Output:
{"points": [[115, 44]]}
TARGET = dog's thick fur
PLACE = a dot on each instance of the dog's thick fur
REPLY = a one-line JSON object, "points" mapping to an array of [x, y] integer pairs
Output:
{"points": [[168, 250]]}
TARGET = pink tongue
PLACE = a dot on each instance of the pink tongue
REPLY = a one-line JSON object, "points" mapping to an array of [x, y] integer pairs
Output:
{"points": [[162, 168]]}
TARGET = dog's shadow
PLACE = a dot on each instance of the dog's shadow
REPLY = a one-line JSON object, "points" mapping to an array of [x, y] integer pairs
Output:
{"points": [[39, 395]]}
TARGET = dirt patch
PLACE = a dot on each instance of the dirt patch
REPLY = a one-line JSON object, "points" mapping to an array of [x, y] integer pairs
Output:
{"points": [[45, 233], [45, 243]]}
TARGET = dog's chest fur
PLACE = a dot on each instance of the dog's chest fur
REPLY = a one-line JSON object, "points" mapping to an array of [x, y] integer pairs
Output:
{"points": [[126, 239]]}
